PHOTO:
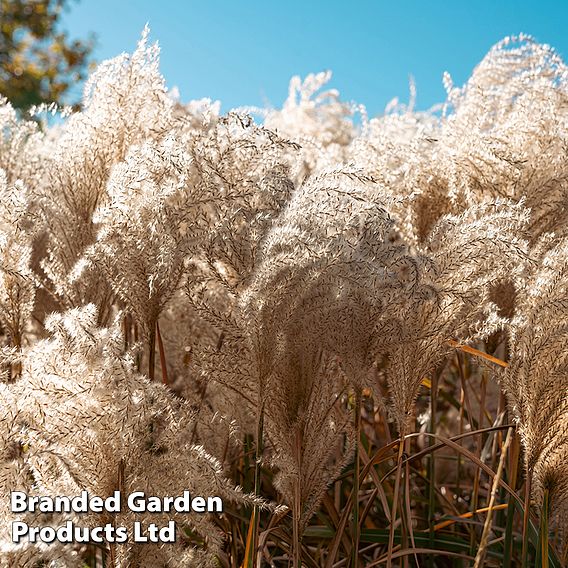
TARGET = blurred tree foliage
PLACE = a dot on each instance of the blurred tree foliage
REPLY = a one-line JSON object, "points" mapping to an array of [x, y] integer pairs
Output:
{"points": [[38, 62]]}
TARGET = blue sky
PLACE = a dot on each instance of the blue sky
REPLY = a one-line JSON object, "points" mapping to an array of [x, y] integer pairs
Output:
{"points": [[243, 52]]}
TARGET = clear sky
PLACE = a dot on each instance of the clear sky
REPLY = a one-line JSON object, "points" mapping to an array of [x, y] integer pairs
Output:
{"points": [[243, 52]]}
